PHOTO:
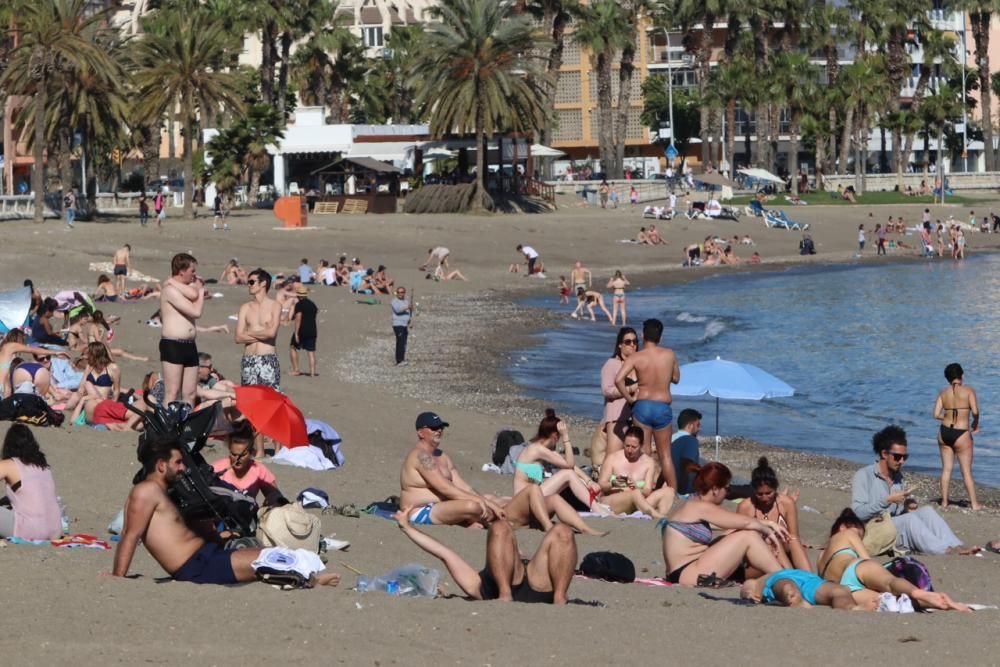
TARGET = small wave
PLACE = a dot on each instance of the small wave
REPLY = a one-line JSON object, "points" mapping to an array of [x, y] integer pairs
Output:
{"points": [[688, 317], [713, 329]]}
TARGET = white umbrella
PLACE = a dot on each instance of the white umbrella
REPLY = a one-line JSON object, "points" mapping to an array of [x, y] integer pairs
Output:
{"points": [[538, 150], [728, 379]]}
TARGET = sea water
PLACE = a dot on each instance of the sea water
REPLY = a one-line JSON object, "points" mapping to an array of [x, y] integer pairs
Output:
{"points": [[863, 345]]}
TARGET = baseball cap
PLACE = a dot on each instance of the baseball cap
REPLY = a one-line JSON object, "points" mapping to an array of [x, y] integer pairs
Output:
{"points": [[430, 420]]}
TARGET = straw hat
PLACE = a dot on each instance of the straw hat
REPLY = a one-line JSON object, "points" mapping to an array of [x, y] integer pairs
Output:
{"points": [[301, 290]]}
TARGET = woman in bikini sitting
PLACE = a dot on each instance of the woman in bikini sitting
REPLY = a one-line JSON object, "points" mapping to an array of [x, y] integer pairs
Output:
{"points": [[617, 285], [233, 274], [845, 561], [529, 469], [957, 409], [12, 345], [106, 290], [101, 381], [767, 504], [694, 557]]}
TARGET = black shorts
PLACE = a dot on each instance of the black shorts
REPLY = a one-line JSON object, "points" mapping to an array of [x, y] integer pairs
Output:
{"points": [[181, 352], [307, 344], [209, 565], [121, 270], [522, 592]]}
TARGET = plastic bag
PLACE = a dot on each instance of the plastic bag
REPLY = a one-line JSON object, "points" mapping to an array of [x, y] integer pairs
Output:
{"points": [[410, 580]]}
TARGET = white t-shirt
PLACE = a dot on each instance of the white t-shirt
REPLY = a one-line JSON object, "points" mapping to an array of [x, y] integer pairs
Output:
{"points": [[440, 253], [673, 201], [529, 252]]}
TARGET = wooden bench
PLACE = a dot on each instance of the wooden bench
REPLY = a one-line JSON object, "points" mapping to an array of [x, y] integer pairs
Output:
{"points": [[355, 206], [325, 207]]}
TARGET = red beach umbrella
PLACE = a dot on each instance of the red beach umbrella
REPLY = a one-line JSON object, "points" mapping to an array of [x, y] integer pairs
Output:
{"points": [[272, 414]]}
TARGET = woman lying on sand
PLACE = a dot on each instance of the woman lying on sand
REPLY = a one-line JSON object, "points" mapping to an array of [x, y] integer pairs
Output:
{"points": [[692, 554], [845, 561], [767, 504], [529, 469]]}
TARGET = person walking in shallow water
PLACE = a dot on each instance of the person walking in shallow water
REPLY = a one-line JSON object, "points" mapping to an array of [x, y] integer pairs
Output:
{"points": [[957, 408]]}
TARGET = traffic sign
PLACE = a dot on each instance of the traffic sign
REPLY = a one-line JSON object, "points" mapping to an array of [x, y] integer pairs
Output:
{"points": [[671, 153]]}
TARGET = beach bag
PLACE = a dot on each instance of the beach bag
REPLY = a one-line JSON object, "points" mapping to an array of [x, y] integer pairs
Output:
{"points": [[609, 566], [598, 448], [289, 526], [502, 444], [912, 570], [880, 535]]}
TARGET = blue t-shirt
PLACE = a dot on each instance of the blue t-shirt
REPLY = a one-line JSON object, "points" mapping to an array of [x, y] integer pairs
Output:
{"points": [[306, 274], [683, 445], [807, 582]]}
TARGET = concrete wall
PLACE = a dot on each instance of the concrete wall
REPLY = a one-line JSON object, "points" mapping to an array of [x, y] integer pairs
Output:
{"points": [[886, 182]]}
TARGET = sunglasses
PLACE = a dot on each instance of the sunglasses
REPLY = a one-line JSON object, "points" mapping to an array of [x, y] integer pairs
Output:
{"points": [[899, 457], [42, 359], [436, 429], [251, 282], [630, 341]]}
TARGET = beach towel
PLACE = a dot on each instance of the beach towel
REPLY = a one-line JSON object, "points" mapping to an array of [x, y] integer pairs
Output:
{"points": [[109, 267], [78, 541], [310, 457], [64, 375], [326, 438], [634, 515]]}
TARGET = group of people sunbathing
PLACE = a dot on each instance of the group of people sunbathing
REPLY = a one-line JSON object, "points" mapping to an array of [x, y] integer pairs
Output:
{"points": [[714, 251]]}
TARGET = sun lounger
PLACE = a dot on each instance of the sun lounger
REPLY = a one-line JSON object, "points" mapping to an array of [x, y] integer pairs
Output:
{"points": [[779, 220]]}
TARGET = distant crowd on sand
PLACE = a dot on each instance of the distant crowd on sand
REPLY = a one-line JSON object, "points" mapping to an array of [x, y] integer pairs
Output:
{"points": [[639, 467], [937, 239]]}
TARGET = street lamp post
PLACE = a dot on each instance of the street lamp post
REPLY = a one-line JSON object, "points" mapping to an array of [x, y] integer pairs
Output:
{"points": [[670, 85]]}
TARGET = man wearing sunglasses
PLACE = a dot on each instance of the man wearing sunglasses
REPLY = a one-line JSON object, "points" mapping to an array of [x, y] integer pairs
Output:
{"points": [[879, 488]]}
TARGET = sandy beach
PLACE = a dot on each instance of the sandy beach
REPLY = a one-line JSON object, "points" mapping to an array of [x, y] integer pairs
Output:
{"points": [[64, 610]]}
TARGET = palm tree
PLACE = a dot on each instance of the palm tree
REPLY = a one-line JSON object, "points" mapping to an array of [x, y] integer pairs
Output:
{"points": [[864, 89], [798, 78], [634, 11], [604, 31], [697, 19], [903, 19], [325, 65], [298, 20], [53, 37], [179, 69], [734, 82], [938, 48], [555, 17], [387, 92], [980, 17], [937, 111], [479, 73], [825, 28]]}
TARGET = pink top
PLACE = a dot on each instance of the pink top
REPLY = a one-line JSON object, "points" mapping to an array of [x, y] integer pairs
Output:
{"points": [[36, 509], [614, 402], [250, 483]]}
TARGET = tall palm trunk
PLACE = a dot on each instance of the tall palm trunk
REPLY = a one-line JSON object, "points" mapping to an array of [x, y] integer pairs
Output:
{"points": [[605, 129], [845, 140], [481, 198], [625, 74], [65, 152], [820, 157], [282, 94], [793, 151], [151, 156], [267, 63], [731, 136], [38, 174], [898, 65], [832, 74], [553, 65], [704, 56], [918, 99], [188, 157], [981, 34], [775, 131]]}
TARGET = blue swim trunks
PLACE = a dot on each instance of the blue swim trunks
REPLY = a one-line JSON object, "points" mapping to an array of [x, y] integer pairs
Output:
{"points": [[422, 515], [652, 414], [211, 564], [807, 582]]}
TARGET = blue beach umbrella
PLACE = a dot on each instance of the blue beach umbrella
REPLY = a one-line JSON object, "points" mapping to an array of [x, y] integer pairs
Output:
{"points": [[730, 380]]}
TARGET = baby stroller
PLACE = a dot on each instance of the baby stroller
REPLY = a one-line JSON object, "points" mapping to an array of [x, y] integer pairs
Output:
{"points": [[198, 492]]}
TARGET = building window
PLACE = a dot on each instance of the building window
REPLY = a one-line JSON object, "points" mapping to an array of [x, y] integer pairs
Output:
{"points": [[371, 36]]}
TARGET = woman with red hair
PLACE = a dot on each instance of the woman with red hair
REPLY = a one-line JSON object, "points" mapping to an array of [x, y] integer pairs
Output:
{"points": [[694, 557]]}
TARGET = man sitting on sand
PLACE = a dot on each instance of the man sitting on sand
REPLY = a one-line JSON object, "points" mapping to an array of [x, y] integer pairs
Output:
{"points": [[431, 485], [798, 588], [879, 488], [545, 578], [152, 517], [656, 368], [628, 477], [653, 236]]}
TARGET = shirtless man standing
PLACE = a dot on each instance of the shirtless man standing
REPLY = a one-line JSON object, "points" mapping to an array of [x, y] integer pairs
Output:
{"points": [[152, 517], [182, 300], [655, 368], [439, 254], [123, 264], [580, 276], [256, 329], [628, 477]]}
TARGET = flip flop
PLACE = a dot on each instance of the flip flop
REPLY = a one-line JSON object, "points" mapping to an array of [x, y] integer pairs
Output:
{"points": [[712, 581]]}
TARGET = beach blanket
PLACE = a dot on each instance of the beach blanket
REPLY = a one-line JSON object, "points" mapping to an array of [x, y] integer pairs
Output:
{"points": [[109, 267], [654, 582], [634, 515], [78, 541]]}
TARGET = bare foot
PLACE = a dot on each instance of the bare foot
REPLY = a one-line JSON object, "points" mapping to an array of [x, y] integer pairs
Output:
{"points": [[963, 551], [295, 373], [594, 533], [331, 579], [977, 507]]}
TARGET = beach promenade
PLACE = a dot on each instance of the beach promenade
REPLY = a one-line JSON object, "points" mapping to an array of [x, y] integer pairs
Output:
{"points": [[61, 609]]}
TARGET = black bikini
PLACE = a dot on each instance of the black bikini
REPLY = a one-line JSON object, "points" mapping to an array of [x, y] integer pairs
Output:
{"points": [[949, 434]]}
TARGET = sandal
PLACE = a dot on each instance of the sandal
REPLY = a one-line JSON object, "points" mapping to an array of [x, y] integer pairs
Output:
{"points": [[349, 510], [712, 581]]}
